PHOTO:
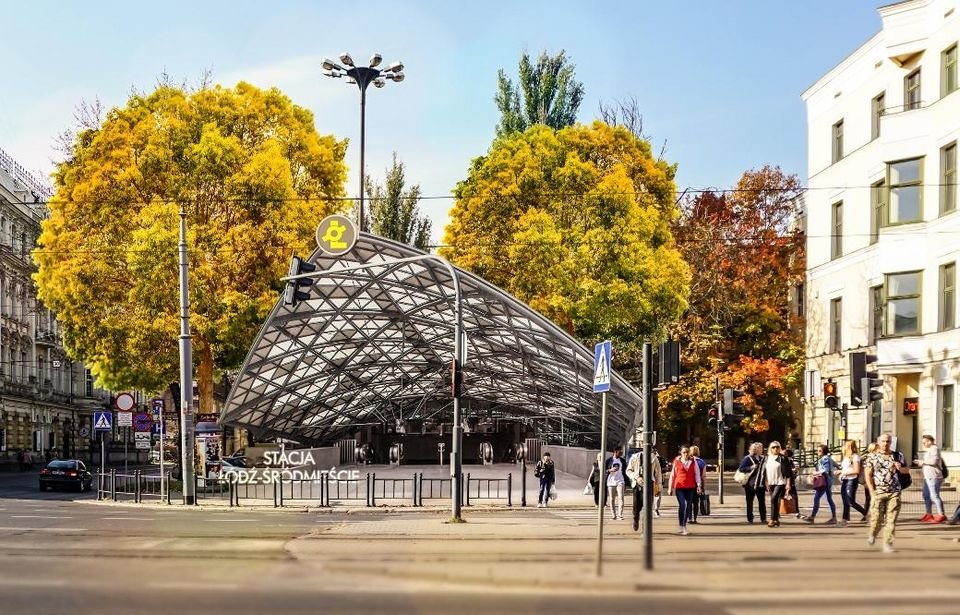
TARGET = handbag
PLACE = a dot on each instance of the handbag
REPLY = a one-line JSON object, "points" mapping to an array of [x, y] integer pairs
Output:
{"points": [[553, 492], [788, 507], [705, 504], [818, 481], [741, 478], [588, 489]]}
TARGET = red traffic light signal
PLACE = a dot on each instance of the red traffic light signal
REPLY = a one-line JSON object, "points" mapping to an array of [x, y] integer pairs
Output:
{"points": [[713, 415], [830, 395]]}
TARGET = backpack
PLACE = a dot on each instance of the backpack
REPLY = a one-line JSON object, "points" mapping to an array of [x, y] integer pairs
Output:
{"points": [[944, 470], [538, 470]]}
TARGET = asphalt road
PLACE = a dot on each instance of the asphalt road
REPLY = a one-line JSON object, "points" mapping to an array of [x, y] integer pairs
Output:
{"points": [[63, 553]]}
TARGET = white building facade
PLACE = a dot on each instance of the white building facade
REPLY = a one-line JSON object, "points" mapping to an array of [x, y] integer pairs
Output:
{"points": [[883, 239], [46, 399]]}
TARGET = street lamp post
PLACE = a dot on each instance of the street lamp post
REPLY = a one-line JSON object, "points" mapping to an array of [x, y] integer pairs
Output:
{"points": [[363, 76]]}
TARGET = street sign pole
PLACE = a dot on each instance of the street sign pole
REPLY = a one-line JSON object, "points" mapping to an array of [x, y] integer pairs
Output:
{"points": [[162, 475], [126, 438], [601, 384], [186, 373], [602, 465]]}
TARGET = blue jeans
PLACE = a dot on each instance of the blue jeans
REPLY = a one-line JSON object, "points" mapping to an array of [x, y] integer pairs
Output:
{"points": [[931, 495], [544, 495], [848, 495], [816, 501], [685, 500]]}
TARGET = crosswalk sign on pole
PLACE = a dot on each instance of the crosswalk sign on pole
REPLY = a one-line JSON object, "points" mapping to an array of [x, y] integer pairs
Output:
{"points": [[601, 367], [102, 420]]}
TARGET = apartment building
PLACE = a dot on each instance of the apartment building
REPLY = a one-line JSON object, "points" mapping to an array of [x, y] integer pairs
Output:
{"points": [[45, 398], [883, 239]]}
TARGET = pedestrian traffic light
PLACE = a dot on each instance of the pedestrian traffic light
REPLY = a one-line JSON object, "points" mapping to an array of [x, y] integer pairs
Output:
{"points": [[730, 403], [292, 295], [830, 399], [712, 416], [732, 420], [863, 380]]}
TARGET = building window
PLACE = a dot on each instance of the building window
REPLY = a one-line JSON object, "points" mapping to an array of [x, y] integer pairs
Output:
{"points": [[948, 178], [838, 141], [836, 320], [836, 228], [948, 77], [878, 106], [903, 303], [877, 211], [904, 191], [911, 91], [947, 426], [948, 296], [876, 313], [800, 299]]}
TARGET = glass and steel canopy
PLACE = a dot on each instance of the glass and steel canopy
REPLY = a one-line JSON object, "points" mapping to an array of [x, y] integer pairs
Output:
{"points": [[375, 346]]}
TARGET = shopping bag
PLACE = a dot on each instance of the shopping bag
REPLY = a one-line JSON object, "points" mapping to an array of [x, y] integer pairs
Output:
{"points": [[553, 492], [705, 505], [788, 507], [588, 489]]}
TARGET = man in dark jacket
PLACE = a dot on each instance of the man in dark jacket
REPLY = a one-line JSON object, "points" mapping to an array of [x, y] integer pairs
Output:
{"points": [[547, 475]]}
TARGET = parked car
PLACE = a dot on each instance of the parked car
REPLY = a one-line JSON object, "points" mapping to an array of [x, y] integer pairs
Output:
{"points": [[66, 473]]}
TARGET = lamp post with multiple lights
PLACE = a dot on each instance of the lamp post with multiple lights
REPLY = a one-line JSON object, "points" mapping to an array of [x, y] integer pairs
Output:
{"points": [[363, 76]]}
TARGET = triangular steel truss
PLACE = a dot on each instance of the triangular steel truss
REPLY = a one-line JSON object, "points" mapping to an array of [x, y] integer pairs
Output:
{"points": [[375, 346]]}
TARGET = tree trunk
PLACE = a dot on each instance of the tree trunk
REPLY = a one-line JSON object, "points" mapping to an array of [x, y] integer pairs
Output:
{"points": [[205, 377]]}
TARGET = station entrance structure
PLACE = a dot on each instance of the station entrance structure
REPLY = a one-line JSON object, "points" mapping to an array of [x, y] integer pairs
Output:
{"points": [[367, 357]]}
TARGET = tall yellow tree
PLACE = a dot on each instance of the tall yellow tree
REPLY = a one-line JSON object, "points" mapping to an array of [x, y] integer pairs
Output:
{"points": [[575, 222], [254, 177]]}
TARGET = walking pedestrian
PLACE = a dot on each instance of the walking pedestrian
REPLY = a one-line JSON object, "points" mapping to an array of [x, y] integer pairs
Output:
{"points": [[778, 476], [686, 482], [794, 495], [871, 449], [933, 477], [655, 463], [21, 466], [636, 477], [881, 474], [851, 469], [702, 466], [616, 474], [752, 466], [823, 484], [547, 475], [594, 480]]}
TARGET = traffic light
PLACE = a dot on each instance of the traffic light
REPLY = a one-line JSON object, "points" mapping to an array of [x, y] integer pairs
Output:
{"points": [[830, 399], [863, 380], [730, 403], [732, 420], [713, 416], [668, 363], [292, 295]]}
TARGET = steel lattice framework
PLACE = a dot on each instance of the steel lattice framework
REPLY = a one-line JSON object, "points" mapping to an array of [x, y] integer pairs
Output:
{"points": [[376, 345]]}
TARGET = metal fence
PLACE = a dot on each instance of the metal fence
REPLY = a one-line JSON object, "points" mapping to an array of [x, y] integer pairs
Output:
{"points": [[136, 485], [490, 489]]}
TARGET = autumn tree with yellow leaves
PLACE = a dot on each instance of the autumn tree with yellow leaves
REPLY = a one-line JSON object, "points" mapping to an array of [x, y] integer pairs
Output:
{"points": [[576, 223], [254, 178]]}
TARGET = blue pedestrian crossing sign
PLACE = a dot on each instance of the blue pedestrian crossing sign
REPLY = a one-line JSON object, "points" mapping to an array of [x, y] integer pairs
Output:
{"points": [[601, 367], [103, 420]]}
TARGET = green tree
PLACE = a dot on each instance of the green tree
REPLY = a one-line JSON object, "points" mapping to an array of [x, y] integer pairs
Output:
{"points": [[254, 178], [575, 222], [545, 94], [393, 209]]}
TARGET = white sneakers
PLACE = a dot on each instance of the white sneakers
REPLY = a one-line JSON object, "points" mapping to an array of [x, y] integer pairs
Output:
{"points": [[683, 531], [888, 548], [871, 540]]}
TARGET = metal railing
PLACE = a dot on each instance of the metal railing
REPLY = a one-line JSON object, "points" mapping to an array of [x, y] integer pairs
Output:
{"points": [[112, 485], [490, 489], [391, 489]]}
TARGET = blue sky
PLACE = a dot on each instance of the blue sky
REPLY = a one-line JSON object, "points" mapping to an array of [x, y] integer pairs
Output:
{"points": [[718, 81]]}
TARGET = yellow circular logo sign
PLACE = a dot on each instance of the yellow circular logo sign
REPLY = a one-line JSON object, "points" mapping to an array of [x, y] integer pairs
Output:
{"points": [[336, 235]]}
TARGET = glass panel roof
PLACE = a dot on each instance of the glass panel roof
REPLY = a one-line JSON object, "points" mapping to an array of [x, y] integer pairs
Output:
{"points": [[375, 345]]}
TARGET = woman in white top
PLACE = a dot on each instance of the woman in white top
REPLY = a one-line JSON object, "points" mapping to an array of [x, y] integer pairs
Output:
{"points": [[615, 483], [849, 481], [932, 481]]}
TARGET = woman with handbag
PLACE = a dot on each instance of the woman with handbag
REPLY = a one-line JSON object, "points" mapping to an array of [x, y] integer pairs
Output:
{"points": [[822, 483], [594, 480], [686, 482], [850, 472], [777, 478], [751, 469]]}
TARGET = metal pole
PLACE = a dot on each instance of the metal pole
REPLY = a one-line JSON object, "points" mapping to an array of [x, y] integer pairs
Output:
{"points": [[459, 351], [162, 474], [523, 480], [186, 373], [126, 453], [647, 456], [603, 481], [721, 440], [363, 138]]}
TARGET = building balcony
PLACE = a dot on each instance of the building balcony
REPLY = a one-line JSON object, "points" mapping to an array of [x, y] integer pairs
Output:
{"points": [[46, 338]]}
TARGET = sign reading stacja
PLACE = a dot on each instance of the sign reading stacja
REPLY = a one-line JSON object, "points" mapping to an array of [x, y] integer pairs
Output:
{"points": [[601, 367]]}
